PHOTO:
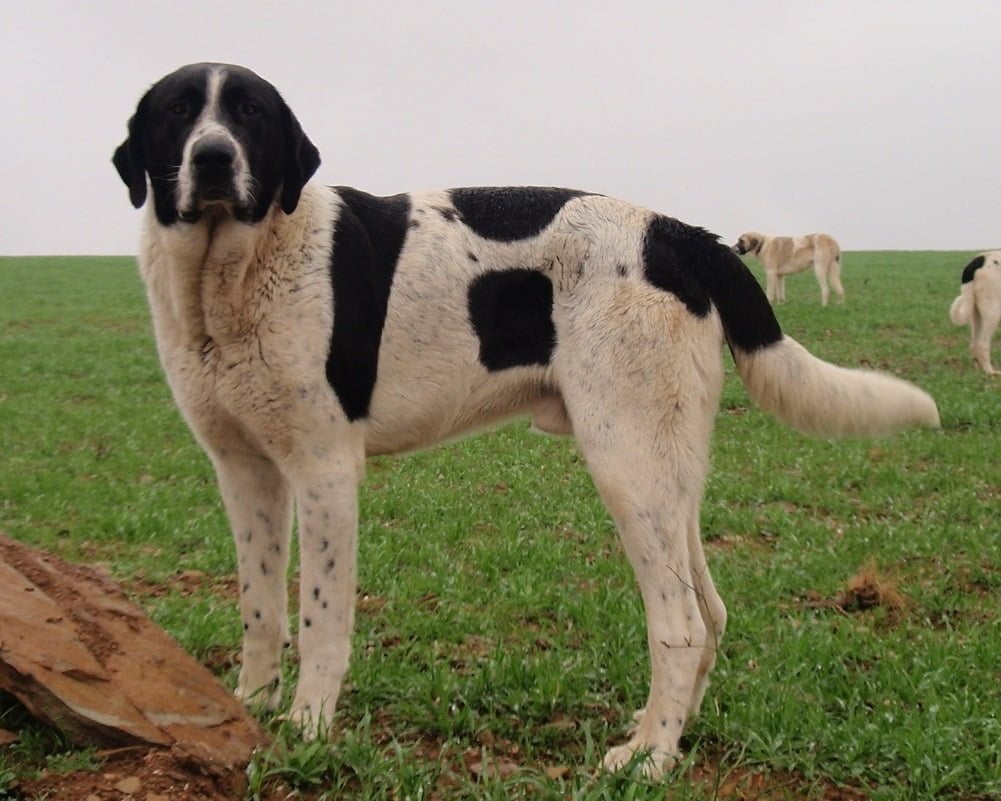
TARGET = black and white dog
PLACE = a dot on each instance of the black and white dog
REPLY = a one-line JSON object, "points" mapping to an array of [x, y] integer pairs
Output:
{"points": [[303, 328], [979, 305]]}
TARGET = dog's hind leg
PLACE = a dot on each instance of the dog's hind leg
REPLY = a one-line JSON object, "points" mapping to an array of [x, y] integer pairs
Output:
{"points": [[822, 270], [258, 502], [983, 323], [834, 276], [642, 413], [652, 515], [713, 614]]}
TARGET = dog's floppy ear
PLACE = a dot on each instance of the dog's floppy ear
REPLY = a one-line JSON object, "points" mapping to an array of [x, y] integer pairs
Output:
{"points": [[128, 158], [300, 160]]}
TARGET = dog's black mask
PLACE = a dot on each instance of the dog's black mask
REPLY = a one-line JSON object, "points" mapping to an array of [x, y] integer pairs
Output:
{"points": [[279, 156]]}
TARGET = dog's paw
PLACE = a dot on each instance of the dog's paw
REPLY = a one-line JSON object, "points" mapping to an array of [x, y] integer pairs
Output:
{"points": [[262, 688], [311, 725], [653, 762]]}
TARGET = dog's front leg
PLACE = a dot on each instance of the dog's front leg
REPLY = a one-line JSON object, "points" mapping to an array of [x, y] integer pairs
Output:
{"points": [[258, 502], [327, 506], [772, 286]]}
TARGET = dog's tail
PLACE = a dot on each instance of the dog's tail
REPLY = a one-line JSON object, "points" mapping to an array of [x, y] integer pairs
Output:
{"points": [[787, 381], [961, 309]]}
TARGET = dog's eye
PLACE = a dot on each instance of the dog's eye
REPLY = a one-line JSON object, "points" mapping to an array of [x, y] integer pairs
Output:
{"points": [[179, 108], [249, 109]]}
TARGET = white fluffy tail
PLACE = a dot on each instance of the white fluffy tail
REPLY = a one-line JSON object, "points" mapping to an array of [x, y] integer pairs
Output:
{"points": [[962, 307], [817, 397]]}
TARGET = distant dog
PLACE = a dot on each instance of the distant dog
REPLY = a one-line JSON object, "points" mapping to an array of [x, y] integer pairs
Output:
{"points": [[979, 304], [304, 327], [787, 255]]}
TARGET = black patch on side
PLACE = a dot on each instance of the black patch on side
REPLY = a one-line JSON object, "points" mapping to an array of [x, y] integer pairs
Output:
{"points": [[690, 263], [506, 214], [971, 268], [512, 314], [368, 239]]}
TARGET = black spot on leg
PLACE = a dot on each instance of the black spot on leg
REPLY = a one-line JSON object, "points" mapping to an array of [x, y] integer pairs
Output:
{"points": [[313, 495], [414, 224], [506, 214], [324, 544], [323, 605], [264, 568], [512, 315], [971, 269], [248, 536], [472, 256], [246, 626], [245, 587], [316, 593], [663, 723], [368, 239], [327, 568], [307, 622], [257, 614]]}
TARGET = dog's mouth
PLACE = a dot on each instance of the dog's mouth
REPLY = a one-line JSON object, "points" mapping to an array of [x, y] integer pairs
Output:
{"points": [[217, 201], [739, 249]]}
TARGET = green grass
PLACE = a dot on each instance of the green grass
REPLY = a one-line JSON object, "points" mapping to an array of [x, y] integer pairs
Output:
{"points": [[502, 623]]}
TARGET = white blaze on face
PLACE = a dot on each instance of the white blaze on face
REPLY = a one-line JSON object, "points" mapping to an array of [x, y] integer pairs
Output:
{"points": [[212, 123]]}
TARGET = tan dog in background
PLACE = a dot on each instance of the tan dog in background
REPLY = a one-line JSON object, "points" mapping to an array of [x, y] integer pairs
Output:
{"points": [[788, 255]]}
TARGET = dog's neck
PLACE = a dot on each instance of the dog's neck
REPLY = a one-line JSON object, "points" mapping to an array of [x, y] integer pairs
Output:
{"points": [[207, 277], [194, 270]]}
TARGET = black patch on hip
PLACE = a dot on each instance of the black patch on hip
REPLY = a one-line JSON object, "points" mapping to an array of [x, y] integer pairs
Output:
{"points": [[506, 214], [971, 268], [691, 264], [512, 314], [368, 239]]}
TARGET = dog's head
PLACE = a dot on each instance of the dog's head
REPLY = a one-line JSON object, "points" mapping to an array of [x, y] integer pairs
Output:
{"points": [[215, 138], [749, 242]]}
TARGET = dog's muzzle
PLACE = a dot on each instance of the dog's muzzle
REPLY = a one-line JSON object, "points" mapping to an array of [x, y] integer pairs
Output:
{"points": [[212, 159]]}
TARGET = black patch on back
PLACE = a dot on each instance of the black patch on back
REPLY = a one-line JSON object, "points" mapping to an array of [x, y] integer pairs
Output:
{"points": [[971, 268], [368, 239], [512, 314], [509, 213], [691, 264]]}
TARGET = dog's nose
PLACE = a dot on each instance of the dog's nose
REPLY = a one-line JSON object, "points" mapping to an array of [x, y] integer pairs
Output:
{"points": [[213, 155]]}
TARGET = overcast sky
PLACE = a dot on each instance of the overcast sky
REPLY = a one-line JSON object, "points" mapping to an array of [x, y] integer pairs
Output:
{"points": [[877, 122]]}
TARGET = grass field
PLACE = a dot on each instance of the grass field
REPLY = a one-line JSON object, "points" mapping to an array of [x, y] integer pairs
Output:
{"points": [[500, 644]]}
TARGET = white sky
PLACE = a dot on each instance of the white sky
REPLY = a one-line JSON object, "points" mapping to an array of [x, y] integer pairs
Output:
{"points": [[878, 122]]}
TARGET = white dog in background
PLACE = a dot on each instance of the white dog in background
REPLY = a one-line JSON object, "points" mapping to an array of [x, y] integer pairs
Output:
{"points": [[787, 255], [979, 304]]}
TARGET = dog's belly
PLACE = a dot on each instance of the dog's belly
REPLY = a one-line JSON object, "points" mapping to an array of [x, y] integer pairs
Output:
{"points": [[433, 399]]}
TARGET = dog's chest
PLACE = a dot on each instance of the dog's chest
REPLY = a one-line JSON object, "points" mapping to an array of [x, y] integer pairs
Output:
{"points": [[243, 331]]}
